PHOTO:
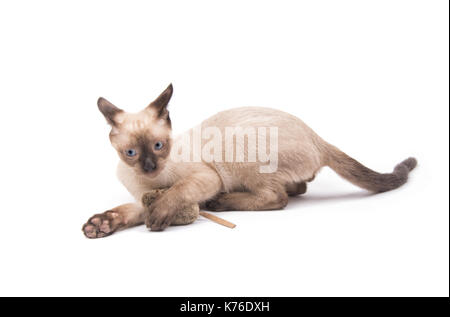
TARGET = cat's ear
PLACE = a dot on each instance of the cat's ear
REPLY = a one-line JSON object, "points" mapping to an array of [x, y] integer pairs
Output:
{"points": [[160, 104], [108, 110]]}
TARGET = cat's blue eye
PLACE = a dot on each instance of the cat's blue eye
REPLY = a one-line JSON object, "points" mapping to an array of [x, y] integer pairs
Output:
{"points": [[158, 145], [130, 152]]}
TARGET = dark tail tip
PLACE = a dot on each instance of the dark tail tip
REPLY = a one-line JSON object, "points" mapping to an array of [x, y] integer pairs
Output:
{"points": [[410, 163]]}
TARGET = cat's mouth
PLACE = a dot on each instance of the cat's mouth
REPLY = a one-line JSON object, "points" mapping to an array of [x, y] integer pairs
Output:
{"points": [[150, 173], [149, 167]]}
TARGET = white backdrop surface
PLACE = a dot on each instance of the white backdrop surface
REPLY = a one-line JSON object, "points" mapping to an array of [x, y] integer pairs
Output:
{"points": [[370, 77]]}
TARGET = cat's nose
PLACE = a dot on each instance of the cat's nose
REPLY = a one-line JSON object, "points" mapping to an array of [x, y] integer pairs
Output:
{"points": [[149, 165]]}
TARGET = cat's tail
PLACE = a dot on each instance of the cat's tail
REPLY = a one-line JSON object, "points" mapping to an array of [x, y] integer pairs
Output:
{"points": [[361, 176]]}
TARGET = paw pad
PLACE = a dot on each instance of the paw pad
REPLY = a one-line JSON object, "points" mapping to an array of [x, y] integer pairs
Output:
{"points": [[102, 225]]}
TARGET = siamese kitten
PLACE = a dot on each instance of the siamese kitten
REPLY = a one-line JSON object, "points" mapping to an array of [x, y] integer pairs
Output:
{"points": [[150, 159]]}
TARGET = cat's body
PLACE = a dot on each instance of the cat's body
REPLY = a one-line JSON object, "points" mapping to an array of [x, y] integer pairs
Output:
{"points": [[300, 157], [219, 184]]}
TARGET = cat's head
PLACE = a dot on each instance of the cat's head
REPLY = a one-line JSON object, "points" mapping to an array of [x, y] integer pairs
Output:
{"points": [[142, 139]]}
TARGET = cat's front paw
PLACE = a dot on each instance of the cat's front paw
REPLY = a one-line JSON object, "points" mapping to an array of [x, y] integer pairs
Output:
{"points": [[102, 225], [160, 215]]}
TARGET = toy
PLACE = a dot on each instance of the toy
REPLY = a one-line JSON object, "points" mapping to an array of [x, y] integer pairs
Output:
{"points": [[187, 215], [184, 217]]}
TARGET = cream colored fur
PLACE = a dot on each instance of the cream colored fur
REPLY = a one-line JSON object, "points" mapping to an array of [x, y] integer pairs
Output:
{"points": [[300, 156]]}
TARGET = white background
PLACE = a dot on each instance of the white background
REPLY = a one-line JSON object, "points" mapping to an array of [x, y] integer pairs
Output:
{"points": [[370, 77]]}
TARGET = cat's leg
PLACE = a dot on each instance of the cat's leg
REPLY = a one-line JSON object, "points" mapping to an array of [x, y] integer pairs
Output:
{"points": [[194, 189], [294, 189], [263, 198], [121, 217]]}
